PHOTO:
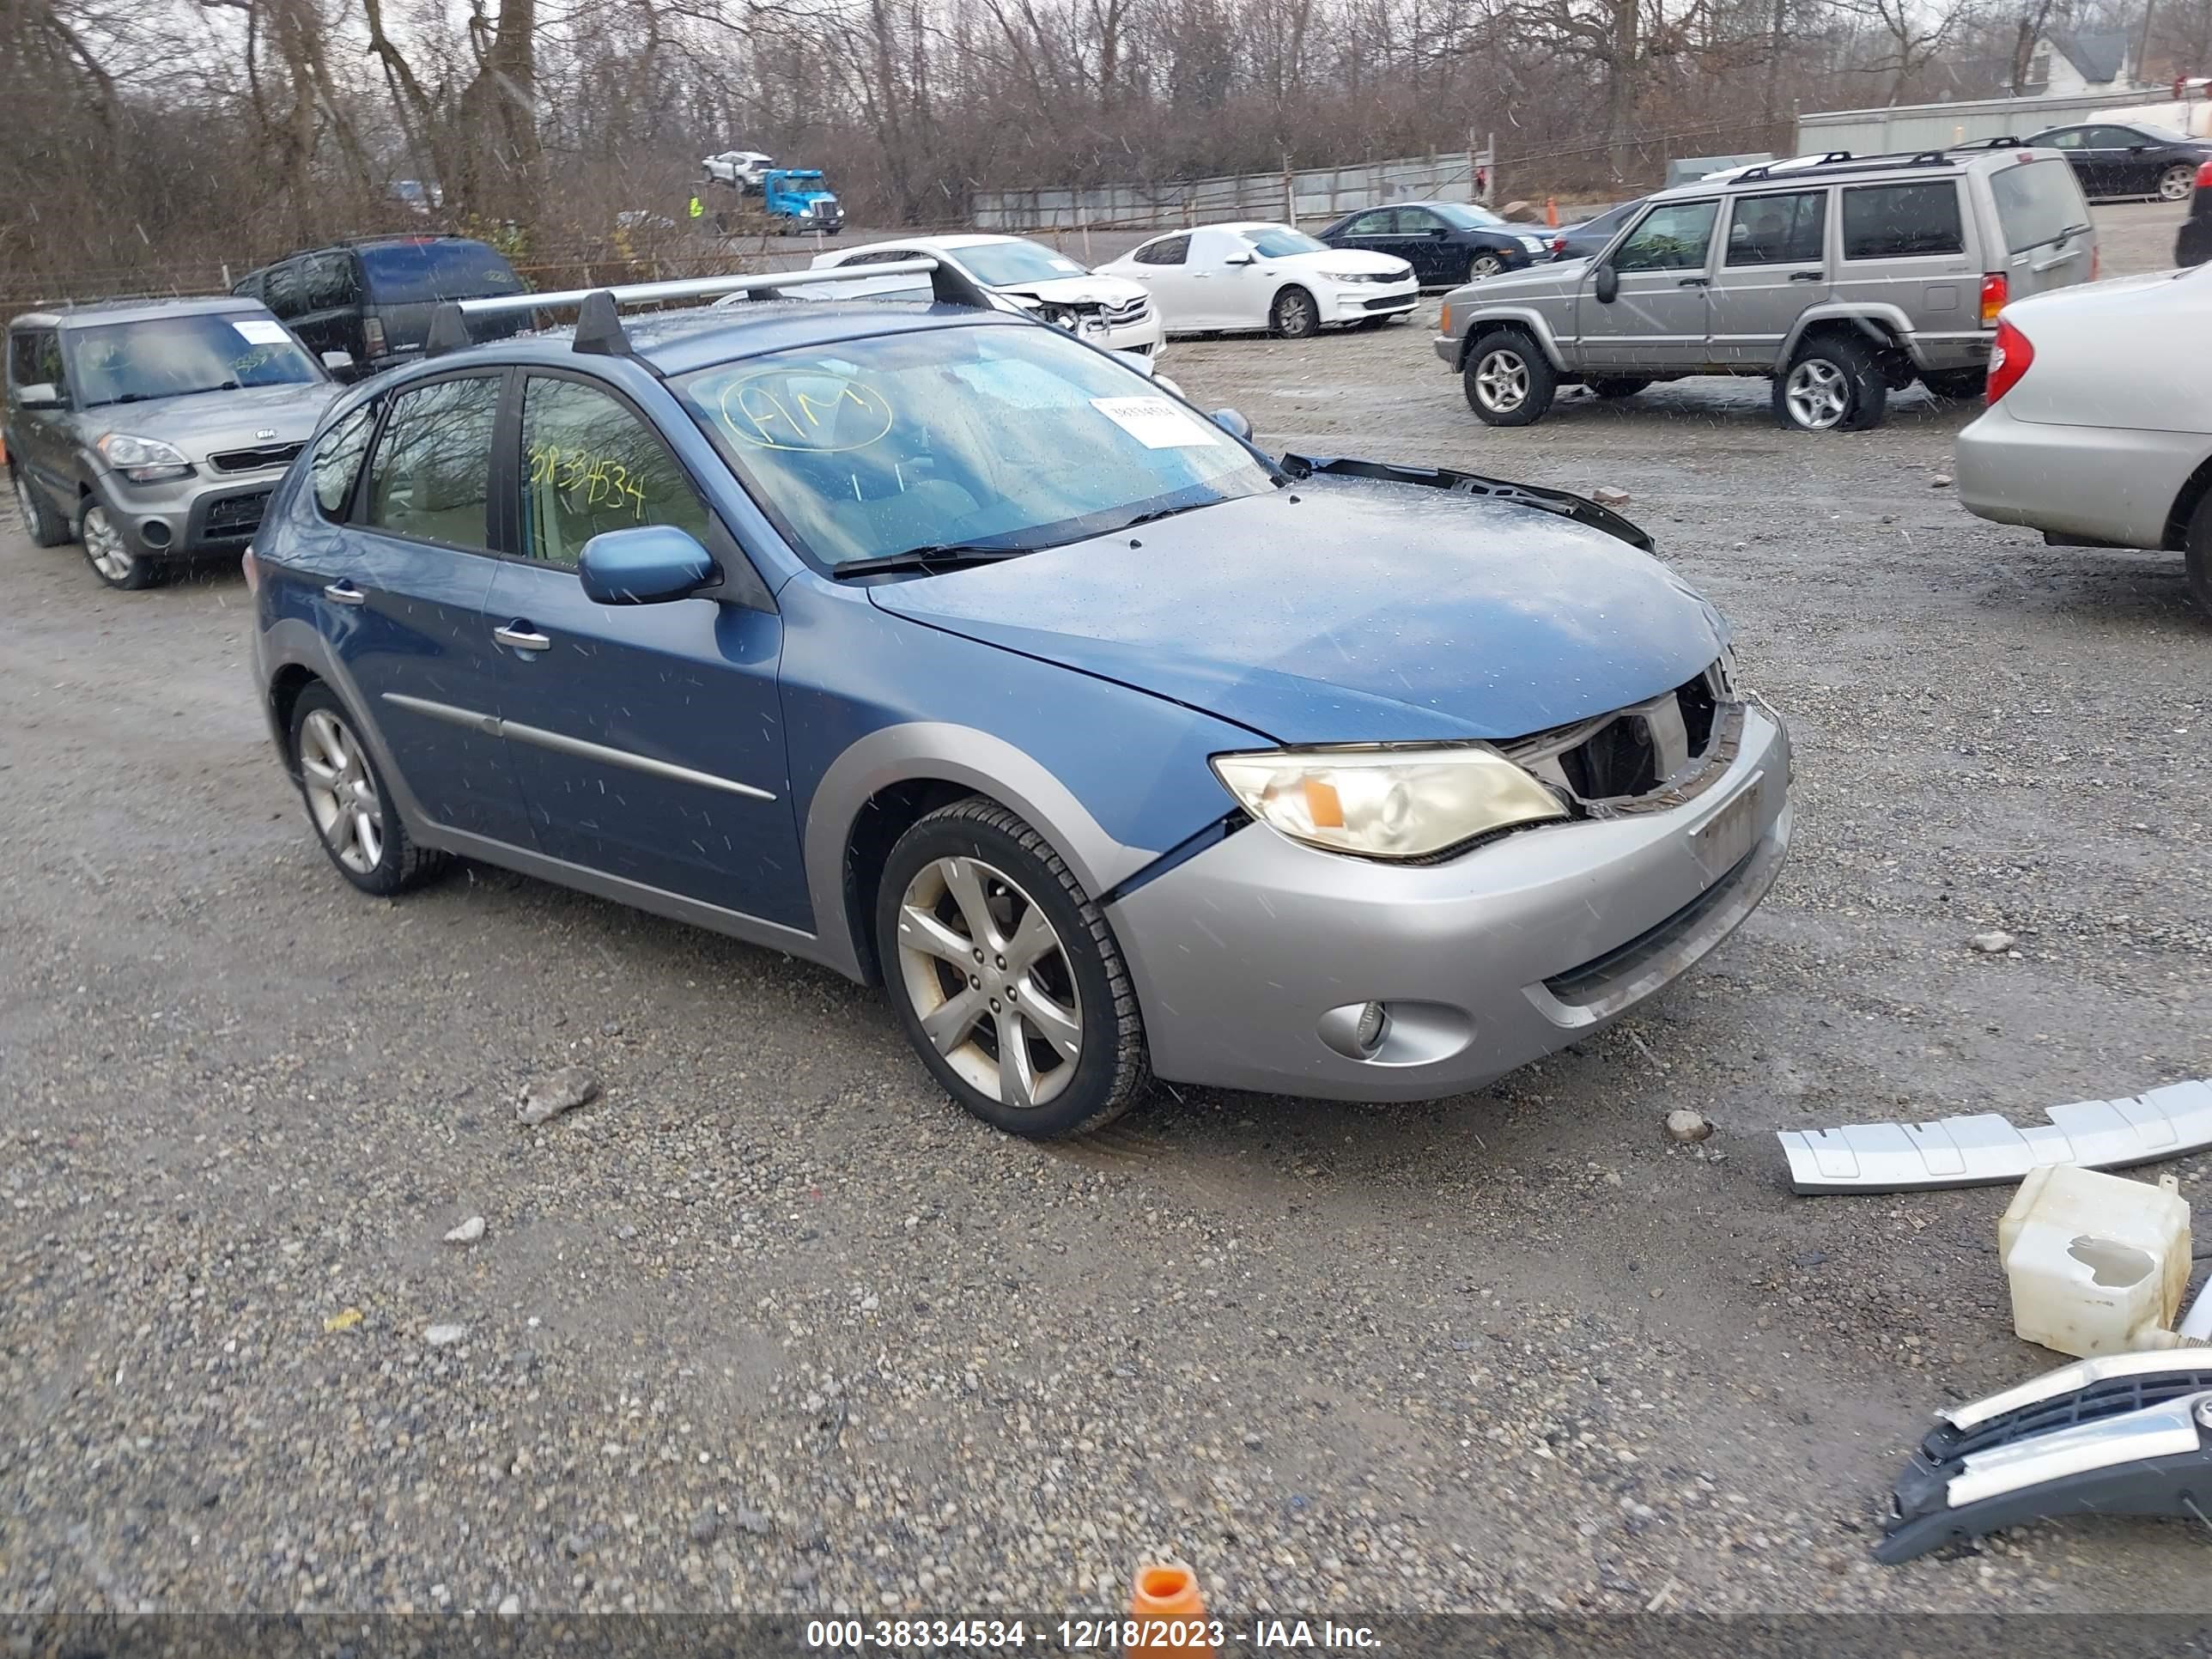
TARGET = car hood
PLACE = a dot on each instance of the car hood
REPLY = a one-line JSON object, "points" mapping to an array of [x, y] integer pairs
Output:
{"points": [[1085, 290], [1347, 612], [1550, 277], [213, 421], [1342, 259]]}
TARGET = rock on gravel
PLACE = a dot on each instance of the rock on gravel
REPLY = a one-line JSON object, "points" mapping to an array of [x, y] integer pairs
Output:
{"points": [[557, 1092], [1606, 495], [1994, 941], [1686, 1125], [468, 1232], [444, 1336]]}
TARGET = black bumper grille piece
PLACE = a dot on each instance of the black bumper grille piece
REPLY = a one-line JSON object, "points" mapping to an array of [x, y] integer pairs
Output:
{"points": [[255, 460]]}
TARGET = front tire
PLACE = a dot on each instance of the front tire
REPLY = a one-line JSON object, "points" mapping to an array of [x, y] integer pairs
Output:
{"points": [[1834, 383], [44, 526], [1006, 978], [1508, 379], [1294, 316], [109, 552], [1482, 265], [347, 801], [2175, 183]]}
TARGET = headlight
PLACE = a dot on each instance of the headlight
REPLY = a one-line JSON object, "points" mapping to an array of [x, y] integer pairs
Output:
{"points": [[1386, 803], [1535, 244], [142, 460], [1348, 277]]}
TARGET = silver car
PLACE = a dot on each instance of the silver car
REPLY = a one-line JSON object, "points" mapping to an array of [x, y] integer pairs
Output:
{"points": [[1843, 279], [2099, 431], [154, 430]]}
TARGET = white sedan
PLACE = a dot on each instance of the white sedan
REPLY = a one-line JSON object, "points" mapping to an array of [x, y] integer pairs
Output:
{"points": [[1229, 278], [1116, 313], [2099, 429]]}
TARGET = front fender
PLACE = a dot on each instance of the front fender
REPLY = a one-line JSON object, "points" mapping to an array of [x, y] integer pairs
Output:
{"points": [[1488, 318]]}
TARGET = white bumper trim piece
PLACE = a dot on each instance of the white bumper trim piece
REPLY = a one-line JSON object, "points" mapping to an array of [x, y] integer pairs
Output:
{"points": [[1985, 1150]]}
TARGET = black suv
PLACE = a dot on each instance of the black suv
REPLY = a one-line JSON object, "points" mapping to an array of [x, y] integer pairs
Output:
{"points": [[372, 298]]}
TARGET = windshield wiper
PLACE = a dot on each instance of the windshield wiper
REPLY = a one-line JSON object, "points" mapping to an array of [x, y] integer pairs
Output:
{"points": [[1156, 513], [949, 555]]}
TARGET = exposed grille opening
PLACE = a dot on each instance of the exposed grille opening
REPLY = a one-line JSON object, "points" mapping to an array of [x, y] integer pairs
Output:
{"points": [[2099, 1401], [254, 460], [1648, 756]]}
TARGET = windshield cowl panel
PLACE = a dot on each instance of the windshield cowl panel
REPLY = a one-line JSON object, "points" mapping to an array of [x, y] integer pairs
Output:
{"points": [[1007, 438]]}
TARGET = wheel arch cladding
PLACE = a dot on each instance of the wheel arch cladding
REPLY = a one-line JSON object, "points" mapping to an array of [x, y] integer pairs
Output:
{"points": [[2186, 503], [883, 819], [285, 686]]}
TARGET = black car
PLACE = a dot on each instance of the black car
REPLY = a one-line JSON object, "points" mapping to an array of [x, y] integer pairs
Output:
{"points": [[2193, 245], [1589, 239], [373, 298], [2135, 160], [1445, 242]]}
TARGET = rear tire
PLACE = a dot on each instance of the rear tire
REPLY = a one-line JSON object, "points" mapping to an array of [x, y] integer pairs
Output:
{"points": [[44, 526], [2197, 552], [1623, 387], [1508, 379], [1834, 383], [1294, 316], [986, 937], [2175, 183], [347, 803]]}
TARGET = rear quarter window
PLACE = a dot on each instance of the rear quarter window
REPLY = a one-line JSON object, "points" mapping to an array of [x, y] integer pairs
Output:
{"points": [[2038, 202], [417, 273], [1901, 222]]}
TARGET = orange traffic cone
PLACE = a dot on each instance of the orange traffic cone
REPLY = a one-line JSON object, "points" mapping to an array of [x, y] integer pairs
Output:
{"points": [[1551, 211], [1169, 1616]]}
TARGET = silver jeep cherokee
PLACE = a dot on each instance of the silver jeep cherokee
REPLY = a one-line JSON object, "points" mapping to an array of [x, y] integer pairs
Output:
{"points": [[1843, 277], [154, 430]]}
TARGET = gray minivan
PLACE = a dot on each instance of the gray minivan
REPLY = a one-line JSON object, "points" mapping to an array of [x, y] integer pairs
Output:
{"points": [[1844, 278]]}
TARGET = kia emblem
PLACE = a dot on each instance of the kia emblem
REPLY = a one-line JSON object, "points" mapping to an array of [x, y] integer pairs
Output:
{"points": [[266, 432]]}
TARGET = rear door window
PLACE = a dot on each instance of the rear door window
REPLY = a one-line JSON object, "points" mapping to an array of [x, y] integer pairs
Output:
{"points": [[284, 289], [1902, 221], [327, 281], [1383, 222], [1168, 251], [430, 478], [2038, 202], [417, 273]]}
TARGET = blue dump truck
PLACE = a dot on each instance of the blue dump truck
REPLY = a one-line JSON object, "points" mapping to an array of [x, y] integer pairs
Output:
{"points": [[800, 199]]}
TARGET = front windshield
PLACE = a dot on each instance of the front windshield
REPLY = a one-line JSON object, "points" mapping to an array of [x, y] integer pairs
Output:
{"points": [[1466, 218], [1275, 242], [1010, 437], [175, 357], [998, 265]]}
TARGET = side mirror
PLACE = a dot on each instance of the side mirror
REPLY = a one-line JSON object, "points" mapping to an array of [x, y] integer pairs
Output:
{"points": [[1606, 285], [648, 564], [340, 364], [1438, 232], [40, 394], [1233, 424]]}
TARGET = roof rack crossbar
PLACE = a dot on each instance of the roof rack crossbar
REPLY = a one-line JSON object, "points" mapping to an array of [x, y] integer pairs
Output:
{"points": [[599, 325]]}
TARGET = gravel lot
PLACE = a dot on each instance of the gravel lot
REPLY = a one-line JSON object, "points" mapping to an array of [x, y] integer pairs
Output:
{"points": [[770, 1325]]}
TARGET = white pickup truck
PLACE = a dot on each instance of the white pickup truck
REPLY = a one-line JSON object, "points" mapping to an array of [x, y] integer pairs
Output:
{"points": [[740, 167]]}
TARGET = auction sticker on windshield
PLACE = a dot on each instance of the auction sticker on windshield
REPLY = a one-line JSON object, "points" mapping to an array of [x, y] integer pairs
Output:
{"points": [[1155, 423], [259, 330]]}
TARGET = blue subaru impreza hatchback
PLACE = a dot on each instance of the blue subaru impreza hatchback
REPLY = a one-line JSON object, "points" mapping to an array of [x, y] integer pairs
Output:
{"points": [[944, 648]]}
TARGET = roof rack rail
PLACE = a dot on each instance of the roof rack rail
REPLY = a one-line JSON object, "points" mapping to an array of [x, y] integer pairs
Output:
{"points": [[599, 310], [2007, 142], [1765, 169]]}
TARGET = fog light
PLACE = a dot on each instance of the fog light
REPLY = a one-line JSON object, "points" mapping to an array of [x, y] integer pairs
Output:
{"points": [[1357, 1029], [155, 533], [1369, 1030]]}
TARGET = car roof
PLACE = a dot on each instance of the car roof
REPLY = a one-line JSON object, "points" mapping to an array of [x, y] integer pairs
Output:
{"points": [[965, 239], [94, 312], [1800, 171], [678, 342]]}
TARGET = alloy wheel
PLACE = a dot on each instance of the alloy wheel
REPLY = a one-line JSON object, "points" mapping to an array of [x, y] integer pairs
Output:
{"points": [[989, 980], [1818, 394], [1501, 380], [342, 795], [2175, 183], [103, 544], [24, 504], [1294, 316], [1482, 265]]}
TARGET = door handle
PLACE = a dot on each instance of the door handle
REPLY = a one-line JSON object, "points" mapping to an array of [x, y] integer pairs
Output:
{"points": [[521, 635], [344, 592], [1693, 282], [1808, 276]]}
